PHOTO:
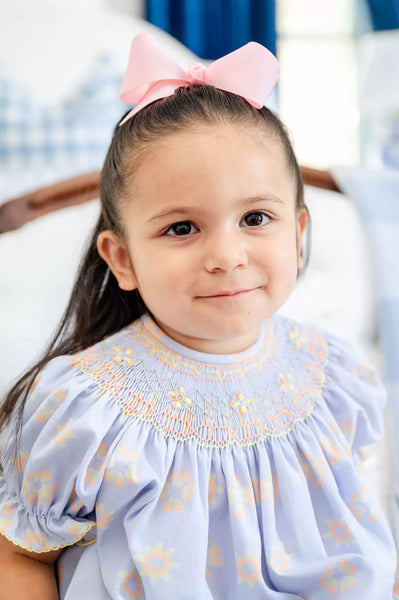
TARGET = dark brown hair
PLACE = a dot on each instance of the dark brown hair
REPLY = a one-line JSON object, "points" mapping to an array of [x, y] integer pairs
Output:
{"points": [[97, 306]]}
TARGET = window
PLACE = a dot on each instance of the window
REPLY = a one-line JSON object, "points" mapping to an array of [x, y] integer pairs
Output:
{"points": [[317, 51]]}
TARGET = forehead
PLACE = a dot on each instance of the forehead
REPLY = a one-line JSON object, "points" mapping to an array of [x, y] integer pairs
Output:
{"points": [[211, 162]]}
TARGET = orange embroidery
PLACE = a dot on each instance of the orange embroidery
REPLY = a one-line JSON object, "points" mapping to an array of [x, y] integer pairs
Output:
{"points": [[245, 418], [179, 397]]}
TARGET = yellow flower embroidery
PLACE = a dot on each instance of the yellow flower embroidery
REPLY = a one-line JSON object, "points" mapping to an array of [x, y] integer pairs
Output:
{"points": [[120, 357], [156, 562], [248, 569], [179, 397], [339, 580], [280, 560], [38, 489], [297, 339], [241, 403], [131, 586], [285, 382], [339, 532], [122, 469], [177, 492]]}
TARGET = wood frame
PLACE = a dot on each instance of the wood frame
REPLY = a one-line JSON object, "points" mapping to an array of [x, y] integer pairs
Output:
{"points": [[77, 190]]}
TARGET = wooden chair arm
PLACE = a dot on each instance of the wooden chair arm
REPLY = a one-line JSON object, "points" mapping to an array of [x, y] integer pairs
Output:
{"points": [[22, 209], [76, 190]]}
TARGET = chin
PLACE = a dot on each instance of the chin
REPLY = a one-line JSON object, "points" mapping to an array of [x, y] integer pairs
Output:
{"points": [[235, 327]]}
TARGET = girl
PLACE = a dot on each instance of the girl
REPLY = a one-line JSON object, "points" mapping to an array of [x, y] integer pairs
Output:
{"points": [[179, 439]]}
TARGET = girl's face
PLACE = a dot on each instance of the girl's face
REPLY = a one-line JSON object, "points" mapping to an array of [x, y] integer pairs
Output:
{"points": [[212, 236]]}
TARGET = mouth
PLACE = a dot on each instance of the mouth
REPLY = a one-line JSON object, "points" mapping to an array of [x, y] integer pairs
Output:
{"points": [[229, 293]]}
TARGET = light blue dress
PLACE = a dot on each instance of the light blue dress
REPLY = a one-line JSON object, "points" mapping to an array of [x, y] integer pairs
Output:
{"points": [[167, 473]]}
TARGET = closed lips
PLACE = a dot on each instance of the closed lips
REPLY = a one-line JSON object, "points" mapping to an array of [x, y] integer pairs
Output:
{"points": [[227, 293]]}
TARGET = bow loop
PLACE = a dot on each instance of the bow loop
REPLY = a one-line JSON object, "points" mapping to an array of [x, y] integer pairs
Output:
{"points": [[251, 72]]}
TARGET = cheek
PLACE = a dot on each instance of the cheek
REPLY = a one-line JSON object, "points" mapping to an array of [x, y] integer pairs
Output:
{"points": [[282, 251], [158, 269]]}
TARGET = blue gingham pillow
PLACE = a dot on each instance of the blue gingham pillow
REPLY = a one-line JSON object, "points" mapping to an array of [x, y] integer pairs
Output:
{"points": [[376, 196], [78, 130]]}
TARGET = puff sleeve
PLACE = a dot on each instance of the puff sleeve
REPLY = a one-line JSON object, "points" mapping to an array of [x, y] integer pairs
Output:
{"points": [[355, 396], [48, 492]]}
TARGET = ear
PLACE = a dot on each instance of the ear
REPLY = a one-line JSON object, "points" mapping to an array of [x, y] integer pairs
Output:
{"points": [[302, 221], [113, 250]]}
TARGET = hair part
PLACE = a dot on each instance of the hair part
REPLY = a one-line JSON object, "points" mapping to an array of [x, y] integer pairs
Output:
{"points": [[97, 307]]}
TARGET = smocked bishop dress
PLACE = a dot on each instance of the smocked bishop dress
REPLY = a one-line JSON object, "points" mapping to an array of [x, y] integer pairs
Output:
{"points": [[171, 474]]}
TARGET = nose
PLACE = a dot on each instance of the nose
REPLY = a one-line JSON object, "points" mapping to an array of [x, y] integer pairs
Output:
{"points": [[225, 252]]}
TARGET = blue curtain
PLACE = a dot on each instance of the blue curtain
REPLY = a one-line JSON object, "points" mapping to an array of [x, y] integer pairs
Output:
{"points": [[384, 14], [213, 28]]}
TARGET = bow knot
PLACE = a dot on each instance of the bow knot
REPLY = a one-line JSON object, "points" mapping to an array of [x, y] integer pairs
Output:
{"points": [[251, 72], [196, 73]]}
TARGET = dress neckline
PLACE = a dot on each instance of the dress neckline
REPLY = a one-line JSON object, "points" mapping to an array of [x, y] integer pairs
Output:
{"points": [[152, 329]]}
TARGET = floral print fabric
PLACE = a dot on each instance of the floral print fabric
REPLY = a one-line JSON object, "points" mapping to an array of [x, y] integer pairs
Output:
{"points": [[164, 472]]}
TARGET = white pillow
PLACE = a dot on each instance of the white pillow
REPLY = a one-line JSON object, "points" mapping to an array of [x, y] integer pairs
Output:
{"points": [[337, 291], [38, 263]]}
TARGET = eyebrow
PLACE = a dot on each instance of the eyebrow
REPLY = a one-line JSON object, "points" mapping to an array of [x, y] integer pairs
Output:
{"points": [[182, 210]]}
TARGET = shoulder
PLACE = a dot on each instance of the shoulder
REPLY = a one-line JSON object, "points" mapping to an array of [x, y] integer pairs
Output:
{"points": [[66, 383], [350, 394], [297, 343], [339, 365], [339, 352]]}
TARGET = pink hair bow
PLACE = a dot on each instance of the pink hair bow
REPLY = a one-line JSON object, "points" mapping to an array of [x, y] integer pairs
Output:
{"points": [[251, 72]]}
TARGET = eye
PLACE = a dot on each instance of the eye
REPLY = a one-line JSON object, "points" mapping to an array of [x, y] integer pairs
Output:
{"points": [[256, 219], [181, 229]]}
